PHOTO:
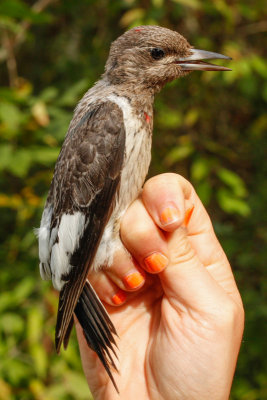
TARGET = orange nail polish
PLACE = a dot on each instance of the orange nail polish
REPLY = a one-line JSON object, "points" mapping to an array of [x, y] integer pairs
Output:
{"points": [[133, 280], [119, 297], [169, 215], [188, 215], [156, 262]]}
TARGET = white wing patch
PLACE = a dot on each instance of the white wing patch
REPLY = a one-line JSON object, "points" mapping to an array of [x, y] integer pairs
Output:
{"points": [[56, 246], [43, 234]]}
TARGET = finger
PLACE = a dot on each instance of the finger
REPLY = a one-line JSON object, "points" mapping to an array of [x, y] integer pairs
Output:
{"points": [[125, 272], [144, 240], [199, 227], [106, 289], [165, 201], [187, 284]]}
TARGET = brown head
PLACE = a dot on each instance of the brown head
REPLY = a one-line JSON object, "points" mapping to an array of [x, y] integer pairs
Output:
{"points": [[150, 56]]}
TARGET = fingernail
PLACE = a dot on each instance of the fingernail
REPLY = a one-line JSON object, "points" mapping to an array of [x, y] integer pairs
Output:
{"points": [[169, 215], [156, 262], [133, 280], [188, 215], [119, 297]]}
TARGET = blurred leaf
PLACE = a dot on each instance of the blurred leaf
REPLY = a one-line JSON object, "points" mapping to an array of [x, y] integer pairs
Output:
{"points": [[44, 155], [15, 370], [73, 94], [11, 323], [179, 153], [20, 162], [191, 117], [18, 9], [10, 116], [34, 326], [13, 298], [231, 204], [200, 169], [204, 191], [5, 155], [169, 118], [131, 16], [38, 390], [195, 4], [76, 385], [40, 113], [231, 179], [39, 356], [48, 94], [5, 390]]}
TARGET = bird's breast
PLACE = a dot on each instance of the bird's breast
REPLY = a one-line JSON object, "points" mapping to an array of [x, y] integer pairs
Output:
{"points": [[137, 157]]}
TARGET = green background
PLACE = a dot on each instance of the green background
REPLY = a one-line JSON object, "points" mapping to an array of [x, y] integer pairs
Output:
{"points": [[210, 127]]}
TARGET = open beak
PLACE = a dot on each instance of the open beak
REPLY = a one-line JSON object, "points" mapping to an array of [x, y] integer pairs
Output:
{"points": [[194, 62]]}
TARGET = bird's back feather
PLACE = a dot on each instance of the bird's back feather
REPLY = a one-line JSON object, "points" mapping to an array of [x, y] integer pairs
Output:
{"points": [[80, 201]]}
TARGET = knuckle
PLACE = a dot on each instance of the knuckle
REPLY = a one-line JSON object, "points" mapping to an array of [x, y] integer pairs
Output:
{"points": [[181, 251], [161, 179], [135, 230], [167, 180], [140, 233], [231, 316]]}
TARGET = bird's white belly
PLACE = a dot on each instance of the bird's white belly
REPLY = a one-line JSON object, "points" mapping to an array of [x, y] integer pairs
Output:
{"points": [[136, 163]]}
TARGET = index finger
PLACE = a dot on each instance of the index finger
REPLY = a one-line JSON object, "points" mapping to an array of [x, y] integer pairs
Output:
{"points": [[170, 188]]}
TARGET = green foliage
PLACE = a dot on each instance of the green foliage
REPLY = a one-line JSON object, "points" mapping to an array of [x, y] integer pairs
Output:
{"points": [[210, 127]]}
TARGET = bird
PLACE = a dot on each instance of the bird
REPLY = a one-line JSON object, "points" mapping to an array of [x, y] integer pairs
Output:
{"points": [[100, 171]]}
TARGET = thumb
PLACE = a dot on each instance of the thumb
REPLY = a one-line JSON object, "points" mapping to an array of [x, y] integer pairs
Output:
{"points": [[186, 282]]}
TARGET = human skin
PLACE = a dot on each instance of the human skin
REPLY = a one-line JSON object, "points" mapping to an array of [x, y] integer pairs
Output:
{"points": [[180, 328]]}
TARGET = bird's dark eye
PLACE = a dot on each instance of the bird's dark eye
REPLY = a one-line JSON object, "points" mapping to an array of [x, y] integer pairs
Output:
{"points": [[157, 53]]}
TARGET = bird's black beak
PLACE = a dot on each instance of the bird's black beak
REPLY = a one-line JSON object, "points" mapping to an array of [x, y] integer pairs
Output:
{"points": [[194, 62]]}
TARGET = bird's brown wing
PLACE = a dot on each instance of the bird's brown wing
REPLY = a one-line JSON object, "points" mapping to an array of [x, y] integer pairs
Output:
{"points": [[86, 178]]}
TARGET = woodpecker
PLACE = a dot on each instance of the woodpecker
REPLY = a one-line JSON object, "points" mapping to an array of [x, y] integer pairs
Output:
{"points": [[101, 169]]}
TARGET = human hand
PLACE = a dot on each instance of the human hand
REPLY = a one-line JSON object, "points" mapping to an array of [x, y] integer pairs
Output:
{"points": [[180, 325]]}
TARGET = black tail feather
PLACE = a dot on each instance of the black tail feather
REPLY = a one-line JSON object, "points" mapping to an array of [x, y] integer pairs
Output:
{"points": [[68, 332], [97, 328], [102, 313]]}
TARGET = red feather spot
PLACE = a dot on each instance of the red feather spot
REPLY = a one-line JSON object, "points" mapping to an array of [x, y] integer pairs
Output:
{"points": [[139, 29], [147, 117]]}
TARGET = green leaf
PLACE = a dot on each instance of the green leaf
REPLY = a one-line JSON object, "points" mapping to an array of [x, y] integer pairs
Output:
{"points": [[194, 4], [233, 180], [49, 94], [20, 162], [168, 118], [231, 204], [131, 16], [20, 10], [179, 153], [15, 370], [5, 155], [10, 116], [34, 325], [74, 93], [200, 169], [19, 294], [39, 356], [11, 323], [23, 289], [76, 385], [44, 155], [204, 191]]}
